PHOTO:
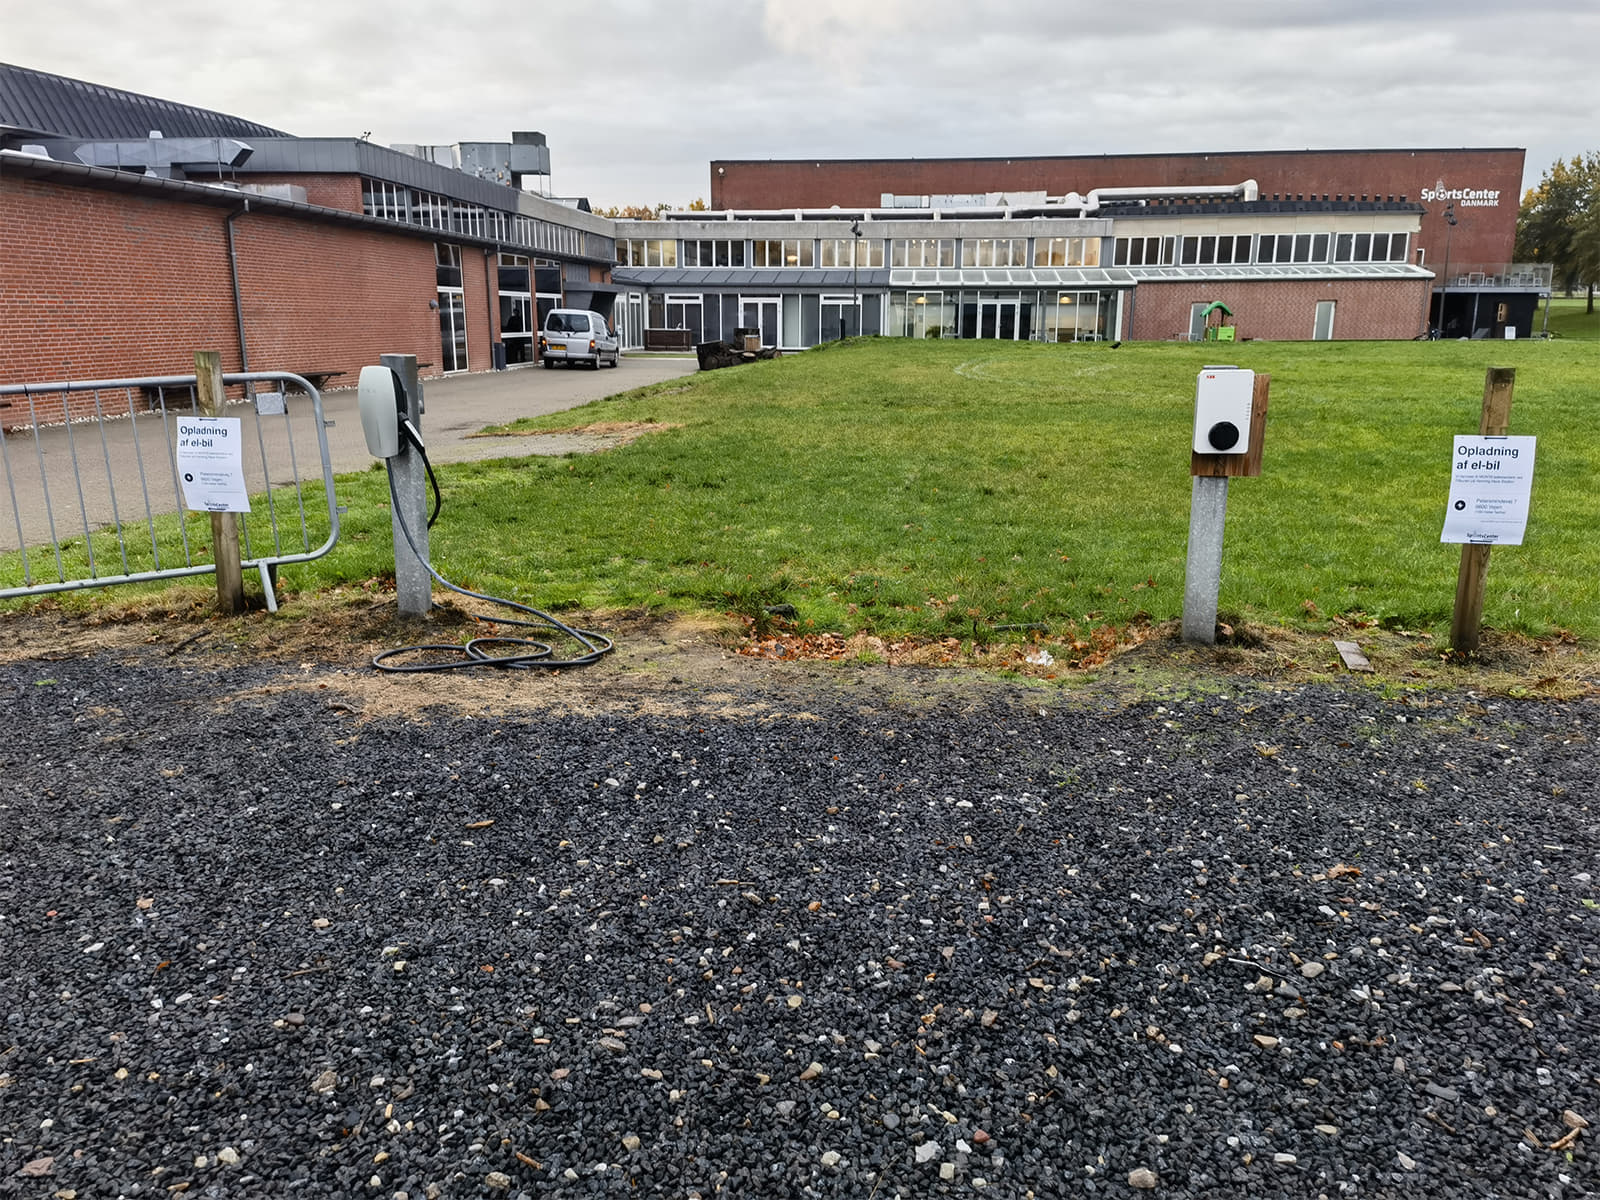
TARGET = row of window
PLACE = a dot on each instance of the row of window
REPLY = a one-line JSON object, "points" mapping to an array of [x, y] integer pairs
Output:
{"points": [[1261, 248], [858, 252], [1208, 250], [392, 202], [776, 252]]}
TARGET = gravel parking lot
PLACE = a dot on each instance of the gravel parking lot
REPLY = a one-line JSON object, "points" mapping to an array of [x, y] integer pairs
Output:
{"points": [[1232, 940]]}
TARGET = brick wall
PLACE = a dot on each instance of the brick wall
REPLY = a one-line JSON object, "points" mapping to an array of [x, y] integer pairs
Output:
{"points": [[100, 284], [329, 191], [1485, 234], [1364, 309]]}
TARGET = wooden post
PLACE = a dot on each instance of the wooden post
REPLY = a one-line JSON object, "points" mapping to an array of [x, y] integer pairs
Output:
{"points": [[224, 526], [1467, 621]]}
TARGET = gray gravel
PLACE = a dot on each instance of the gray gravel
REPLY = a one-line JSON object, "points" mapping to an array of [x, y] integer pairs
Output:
{"points": [[1305, 942]]}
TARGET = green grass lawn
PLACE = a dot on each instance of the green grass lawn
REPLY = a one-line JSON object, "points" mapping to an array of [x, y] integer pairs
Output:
{"points": [[935, 487], [1571, 318]]}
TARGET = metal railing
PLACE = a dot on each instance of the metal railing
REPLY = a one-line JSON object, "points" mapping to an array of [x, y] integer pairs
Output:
{"points": [[91, 477], [1495, 276]]}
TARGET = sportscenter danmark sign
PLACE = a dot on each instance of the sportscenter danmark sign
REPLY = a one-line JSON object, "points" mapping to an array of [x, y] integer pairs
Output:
{"points": [[1466, 197]]}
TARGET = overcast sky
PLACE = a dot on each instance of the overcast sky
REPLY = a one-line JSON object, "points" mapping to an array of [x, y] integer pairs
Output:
{"points": [[636, 97]]}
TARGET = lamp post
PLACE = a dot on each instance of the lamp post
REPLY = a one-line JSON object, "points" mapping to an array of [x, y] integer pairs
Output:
{"points": [[855, 269], [1444, 288]]}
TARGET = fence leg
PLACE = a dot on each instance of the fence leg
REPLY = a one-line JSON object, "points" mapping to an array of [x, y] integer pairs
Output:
{"points": [[224, 526]]}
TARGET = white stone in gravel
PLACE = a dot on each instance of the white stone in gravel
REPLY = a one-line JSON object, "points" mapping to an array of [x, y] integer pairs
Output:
{"points": [[497, 1179], [947, 1170], [831, 1158], [1312, 969], [1285, 1160], [228, 1156], [1328, 1130], [1266, 1041], [630, 1142], [1143, 1178], [1407, 1161], [927, 1152]]}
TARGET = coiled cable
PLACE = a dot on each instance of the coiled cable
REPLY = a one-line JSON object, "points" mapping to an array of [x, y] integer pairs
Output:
{"points": [[532, 652]]}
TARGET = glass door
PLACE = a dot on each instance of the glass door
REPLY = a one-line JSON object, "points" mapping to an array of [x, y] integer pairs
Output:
{"points": [[760, 312], [998, 319], [841, 318]]}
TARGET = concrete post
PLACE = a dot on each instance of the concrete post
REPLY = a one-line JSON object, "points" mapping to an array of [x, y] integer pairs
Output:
{"points": [[1208, 512], [413, 584]]}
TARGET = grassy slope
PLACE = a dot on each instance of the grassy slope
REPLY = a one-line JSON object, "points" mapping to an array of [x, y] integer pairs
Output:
{"points": [[869, 484], [925, 486]]}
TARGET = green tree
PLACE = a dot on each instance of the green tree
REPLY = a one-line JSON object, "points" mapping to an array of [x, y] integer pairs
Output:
{"points": [[1559, 223], [644, 212]]}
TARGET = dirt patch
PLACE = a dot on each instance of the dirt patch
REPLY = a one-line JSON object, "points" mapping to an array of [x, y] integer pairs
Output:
{"points": [[686, 665], [580, 439]]}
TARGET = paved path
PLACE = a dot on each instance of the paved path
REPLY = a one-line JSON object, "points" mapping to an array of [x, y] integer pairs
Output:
{"points": [[129, 460]]}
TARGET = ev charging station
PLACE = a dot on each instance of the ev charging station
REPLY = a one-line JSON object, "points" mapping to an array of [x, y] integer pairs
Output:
{"points": [[390, 399], [389, 396], [1230, 412]]}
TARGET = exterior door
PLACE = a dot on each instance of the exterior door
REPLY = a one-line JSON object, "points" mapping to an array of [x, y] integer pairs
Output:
{"points": [[761, 313], [998, 319], [1322, 330]]}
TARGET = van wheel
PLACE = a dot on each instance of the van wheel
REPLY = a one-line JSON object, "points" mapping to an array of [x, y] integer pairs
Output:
{"points": [[547, 363]]}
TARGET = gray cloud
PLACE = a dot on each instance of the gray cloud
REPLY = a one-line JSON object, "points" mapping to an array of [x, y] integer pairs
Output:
{"points": [[638, 96]]}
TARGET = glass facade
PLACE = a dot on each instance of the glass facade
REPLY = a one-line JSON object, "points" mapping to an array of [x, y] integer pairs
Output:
{"points": [[1031, 284]]}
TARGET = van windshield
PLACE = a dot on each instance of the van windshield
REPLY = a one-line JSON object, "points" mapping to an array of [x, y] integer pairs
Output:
{"points": [[560, 322]]}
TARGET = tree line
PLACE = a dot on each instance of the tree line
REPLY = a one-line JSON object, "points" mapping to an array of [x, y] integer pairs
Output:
{"points": [[1559, 223]]}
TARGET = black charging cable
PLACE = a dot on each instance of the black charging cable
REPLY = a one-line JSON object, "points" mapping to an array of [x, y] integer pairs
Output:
{"points": [[415, 438], [530, 652]]}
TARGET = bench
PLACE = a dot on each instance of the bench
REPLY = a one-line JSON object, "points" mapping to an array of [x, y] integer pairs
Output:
{"points": [[667, 339]]}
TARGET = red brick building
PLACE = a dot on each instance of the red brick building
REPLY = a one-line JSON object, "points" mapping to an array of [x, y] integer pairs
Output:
{"points": [[1485, 185], [134, 231]]}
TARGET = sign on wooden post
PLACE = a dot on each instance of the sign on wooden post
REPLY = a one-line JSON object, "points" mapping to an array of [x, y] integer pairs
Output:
{"points": [[224, 525], [1467, 621]]}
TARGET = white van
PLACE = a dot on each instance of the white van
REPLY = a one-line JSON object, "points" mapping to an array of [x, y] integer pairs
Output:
{"points": [[577, 335]]}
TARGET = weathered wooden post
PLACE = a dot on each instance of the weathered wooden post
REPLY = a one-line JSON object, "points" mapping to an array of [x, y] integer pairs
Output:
{"points": [[224, 525]]}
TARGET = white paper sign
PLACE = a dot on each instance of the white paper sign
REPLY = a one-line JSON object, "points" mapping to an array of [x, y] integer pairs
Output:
{"points": [[1491, 479], [211, 464]]}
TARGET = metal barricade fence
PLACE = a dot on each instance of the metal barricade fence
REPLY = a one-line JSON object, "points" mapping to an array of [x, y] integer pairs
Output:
{"points": [[91, 477]]}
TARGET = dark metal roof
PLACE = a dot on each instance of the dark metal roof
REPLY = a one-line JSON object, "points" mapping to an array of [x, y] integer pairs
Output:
{"points": [[220, 196], [350, 156], [41, 104]]}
